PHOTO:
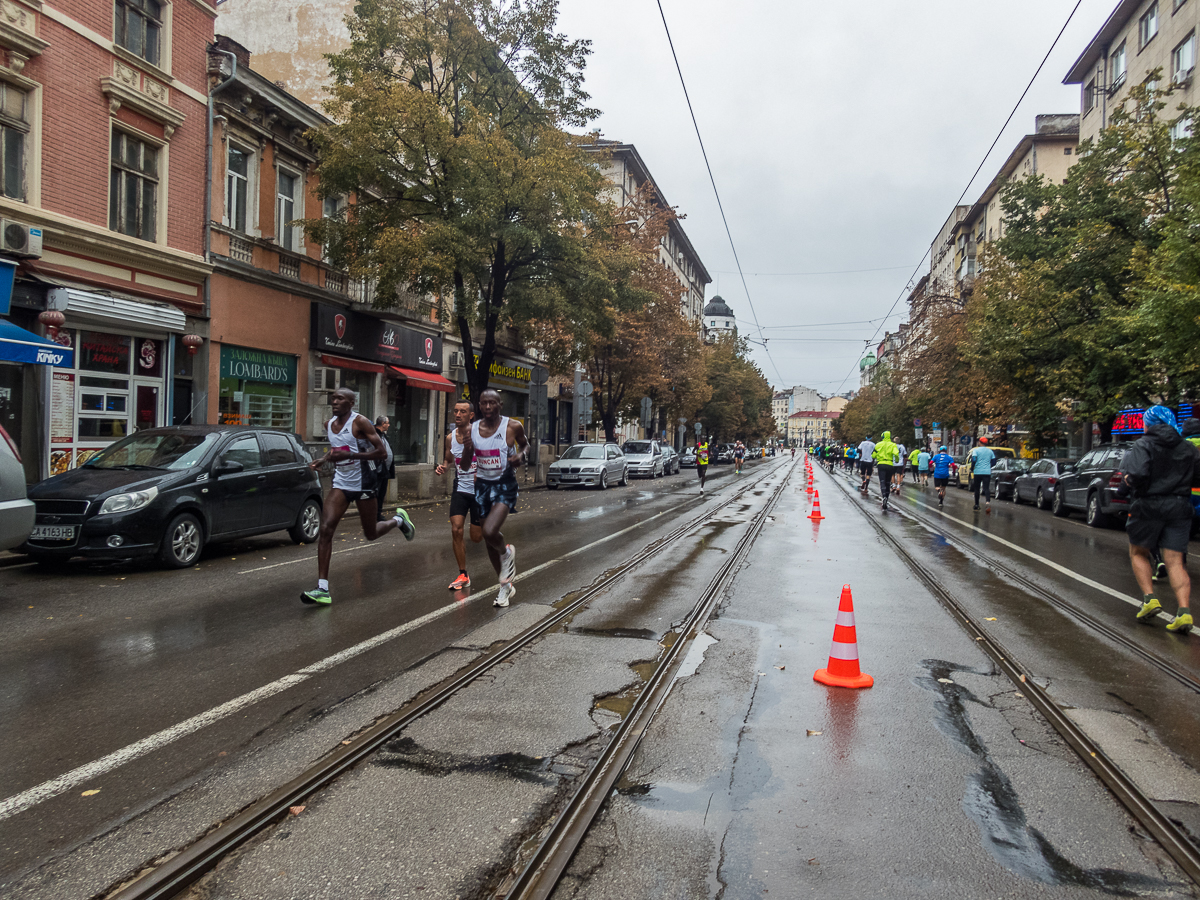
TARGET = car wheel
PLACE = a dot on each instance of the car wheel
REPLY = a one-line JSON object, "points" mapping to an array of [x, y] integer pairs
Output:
{"points": [[308, 523], [1059, 508], [182, 542], [603, 480], [624, 476], [1041, 499], [1095, 516], [1016, 496]]}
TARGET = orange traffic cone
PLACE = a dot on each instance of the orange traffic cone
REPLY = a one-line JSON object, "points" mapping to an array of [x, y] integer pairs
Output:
{"points": [[843, 670], [808, 488], [816, 513]]}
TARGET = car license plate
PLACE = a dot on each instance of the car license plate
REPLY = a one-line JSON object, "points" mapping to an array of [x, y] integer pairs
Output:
{"points": [[569, 478], [53, 533]]}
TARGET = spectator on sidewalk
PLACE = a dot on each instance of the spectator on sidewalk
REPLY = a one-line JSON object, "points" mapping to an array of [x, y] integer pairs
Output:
{"points": [[384, 467], [1159, 470]]}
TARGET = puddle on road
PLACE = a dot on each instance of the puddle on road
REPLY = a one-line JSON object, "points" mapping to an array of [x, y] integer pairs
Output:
{"points": [[992, 802], [642, 634], [695, 655], [405, 753]]}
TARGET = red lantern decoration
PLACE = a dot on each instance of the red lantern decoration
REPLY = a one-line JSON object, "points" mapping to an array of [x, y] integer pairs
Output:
{"points": [[53, 320], [192, 342]]}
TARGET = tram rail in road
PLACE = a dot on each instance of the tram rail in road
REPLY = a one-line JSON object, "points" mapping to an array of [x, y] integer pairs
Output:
{"points": [[1171, 837], [192, 862]]}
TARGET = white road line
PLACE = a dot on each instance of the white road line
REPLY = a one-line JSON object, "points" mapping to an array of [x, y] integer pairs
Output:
{"points": [[1070, 573], [306, 559], [80, 776]]}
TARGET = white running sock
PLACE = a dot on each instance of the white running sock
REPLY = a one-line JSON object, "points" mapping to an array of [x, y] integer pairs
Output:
{"points": [[322, 584]]}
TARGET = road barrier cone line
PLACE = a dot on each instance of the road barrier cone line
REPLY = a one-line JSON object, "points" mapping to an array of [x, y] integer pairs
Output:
{"points": [[843, 669], [816, 513]]}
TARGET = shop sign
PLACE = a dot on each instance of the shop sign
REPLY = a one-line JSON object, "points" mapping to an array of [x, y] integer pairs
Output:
{"points": [[345, 333], [508, 374], [257, 365]]}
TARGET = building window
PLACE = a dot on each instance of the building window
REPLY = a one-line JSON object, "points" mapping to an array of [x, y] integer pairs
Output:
{"points": [[14, 125], [1181, 129], [139, 27], [1183, 59], [1116, 68], [1066, 151], [285, 209], [1089, 97], [237, 188], [1178, 3], [1148, 26], [133, 190]]}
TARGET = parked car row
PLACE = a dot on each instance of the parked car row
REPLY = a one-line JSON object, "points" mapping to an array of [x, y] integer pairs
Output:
{"points": [[599, 465]]}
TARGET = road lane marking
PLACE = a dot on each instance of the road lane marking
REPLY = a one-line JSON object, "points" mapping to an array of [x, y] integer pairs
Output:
{"points": [[1070, 573], [80, 776]]}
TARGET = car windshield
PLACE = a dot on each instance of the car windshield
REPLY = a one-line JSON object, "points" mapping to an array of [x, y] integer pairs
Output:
{"points": [[637, 447], [590, 451], [1021, 465], [154, 451]]}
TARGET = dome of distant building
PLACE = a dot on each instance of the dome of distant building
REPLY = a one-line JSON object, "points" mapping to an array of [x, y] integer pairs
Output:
{"points": [[866, 362], [718, 307]]}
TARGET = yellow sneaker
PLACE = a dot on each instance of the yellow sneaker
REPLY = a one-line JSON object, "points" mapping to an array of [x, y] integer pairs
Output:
{"points": [[1149, 609], [1182, 624]]}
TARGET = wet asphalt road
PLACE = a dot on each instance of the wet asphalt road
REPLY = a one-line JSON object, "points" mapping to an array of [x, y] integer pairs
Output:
{"points": [[98, 657]]}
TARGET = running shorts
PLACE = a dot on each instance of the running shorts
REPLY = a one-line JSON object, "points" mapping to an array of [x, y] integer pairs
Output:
{"points": [[867, 468], [489, 493], [357, 496], [463, 504], [1160, 534], [941, 482]]}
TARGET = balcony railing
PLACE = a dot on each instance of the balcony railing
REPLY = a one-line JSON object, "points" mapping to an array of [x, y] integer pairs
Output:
{"points": [[241, 249], [335, 281], [289, 267]]}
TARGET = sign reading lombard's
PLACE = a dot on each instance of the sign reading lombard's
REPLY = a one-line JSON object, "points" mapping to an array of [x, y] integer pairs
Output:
{"points": [[257, 365]]}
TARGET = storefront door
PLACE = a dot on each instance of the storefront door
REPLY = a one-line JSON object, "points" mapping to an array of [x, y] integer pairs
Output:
{"points": [[148, 405]]}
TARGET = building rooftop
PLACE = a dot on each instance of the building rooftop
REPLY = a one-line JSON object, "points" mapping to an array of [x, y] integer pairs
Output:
{"points": [[718, 307]]}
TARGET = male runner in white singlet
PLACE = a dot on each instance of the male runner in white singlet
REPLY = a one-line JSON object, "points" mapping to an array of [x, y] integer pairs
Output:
{"points": [[462, 497], [354, 446], [487, 446]]}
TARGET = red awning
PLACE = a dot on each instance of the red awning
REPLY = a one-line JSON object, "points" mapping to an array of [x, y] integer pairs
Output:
{"points": [[431, 381], [341, 362]]}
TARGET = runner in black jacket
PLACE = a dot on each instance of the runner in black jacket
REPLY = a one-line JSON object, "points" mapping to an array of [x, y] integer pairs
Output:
{"points": [[1159, 470]]}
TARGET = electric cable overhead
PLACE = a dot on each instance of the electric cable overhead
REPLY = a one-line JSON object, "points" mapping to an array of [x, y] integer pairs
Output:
{"points": [[978, 169], [716, 193]]}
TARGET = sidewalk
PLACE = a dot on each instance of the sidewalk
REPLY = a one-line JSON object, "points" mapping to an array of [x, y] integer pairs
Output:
{"points": [[941, 781]]}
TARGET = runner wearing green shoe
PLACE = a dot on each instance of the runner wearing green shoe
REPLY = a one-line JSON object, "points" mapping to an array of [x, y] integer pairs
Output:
{"points": [[354, 446]]}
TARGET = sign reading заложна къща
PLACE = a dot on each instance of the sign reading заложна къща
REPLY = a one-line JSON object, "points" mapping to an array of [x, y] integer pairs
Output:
{"points": [[257, 365], [345, 333]]}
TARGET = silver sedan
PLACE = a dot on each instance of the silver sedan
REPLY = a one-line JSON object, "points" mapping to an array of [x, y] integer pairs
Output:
{"points": [[594, 465]]}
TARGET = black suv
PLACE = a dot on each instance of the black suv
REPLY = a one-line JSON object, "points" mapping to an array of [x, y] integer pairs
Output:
{"points": [[166, 492], [1091, 488]]}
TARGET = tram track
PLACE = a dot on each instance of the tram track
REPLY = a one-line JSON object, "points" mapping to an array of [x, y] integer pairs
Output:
{"points": [[1171, 837], [192, 862]]}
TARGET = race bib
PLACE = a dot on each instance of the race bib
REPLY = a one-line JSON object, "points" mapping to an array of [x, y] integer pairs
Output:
{"points": [[490, 464]]}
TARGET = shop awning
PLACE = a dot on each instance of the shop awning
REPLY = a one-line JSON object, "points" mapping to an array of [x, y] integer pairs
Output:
{"points": [[431, 381], [19, 345], [360, 365]]}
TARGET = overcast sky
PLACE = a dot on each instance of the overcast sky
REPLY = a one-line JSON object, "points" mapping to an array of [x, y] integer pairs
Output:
{"points": [[840, 136]]}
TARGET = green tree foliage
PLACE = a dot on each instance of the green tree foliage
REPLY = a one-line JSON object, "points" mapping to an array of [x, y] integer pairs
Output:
{"points": [[447, 138], [1056, 313], [740, 404]]}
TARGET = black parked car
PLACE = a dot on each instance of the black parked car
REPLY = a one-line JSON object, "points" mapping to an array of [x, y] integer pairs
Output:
{"points": [[166, 492], [1005, 471], [1091, 488], [1038, 484]]}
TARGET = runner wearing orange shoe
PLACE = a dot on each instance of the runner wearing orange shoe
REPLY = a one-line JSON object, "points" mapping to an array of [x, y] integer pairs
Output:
{"points": [[462, 498]]}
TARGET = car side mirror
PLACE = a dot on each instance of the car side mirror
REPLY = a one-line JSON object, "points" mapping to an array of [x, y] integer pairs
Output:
{"points": [[228, 467]]}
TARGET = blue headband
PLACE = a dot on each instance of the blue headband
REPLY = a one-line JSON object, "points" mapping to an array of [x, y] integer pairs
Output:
{"points": [[1159, 415]]}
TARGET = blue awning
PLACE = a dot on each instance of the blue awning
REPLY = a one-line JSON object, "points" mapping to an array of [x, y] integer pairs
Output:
{"points": [[19, 345]]}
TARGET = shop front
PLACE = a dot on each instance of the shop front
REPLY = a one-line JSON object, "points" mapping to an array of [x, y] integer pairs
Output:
{"points": [[117, 379], [394, 370], [510, 379], [257, 388]]}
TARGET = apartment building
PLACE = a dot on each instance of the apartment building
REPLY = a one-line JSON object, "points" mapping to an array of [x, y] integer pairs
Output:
{"points": [[103, 109], [628, 176], [1139, 37], [287, 327], [809, 427]]}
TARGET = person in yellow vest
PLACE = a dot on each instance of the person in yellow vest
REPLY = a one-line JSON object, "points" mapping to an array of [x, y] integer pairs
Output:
{"points": [[702, 457]]}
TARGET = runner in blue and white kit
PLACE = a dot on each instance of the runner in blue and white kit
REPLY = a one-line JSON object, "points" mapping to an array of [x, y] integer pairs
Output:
{"points": [[941, 463], [354, 447], [488, 446]]}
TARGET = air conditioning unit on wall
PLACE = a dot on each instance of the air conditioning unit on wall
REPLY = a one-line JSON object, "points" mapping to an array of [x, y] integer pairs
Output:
{"points": [[458, 359], [20, 239], [324, 379]]}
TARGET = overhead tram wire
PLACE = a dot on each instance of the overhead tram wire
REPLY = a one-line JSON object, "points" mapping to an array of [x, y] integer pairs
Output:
{"points": [[716, 193], [978, 169]]}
